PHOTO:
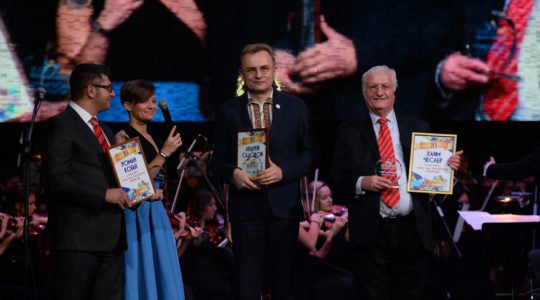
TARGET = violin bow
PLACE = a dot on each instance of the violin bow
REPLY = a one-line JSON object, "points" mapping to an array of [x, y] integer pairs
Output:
{"points": [[316, 181], [305, 196]]}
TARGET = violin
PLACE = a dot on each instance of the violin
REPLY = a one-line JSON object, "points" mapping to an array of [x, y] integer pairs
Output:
{"points": [[34, 229], [175, 223], [214, 231], [337, 211], [173, 219], [12, 222]]}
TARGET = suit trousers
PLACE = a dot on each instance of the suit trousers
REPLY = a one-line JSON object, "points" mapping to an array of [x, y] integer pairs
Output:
{"points": [[263, 249], [396, 265], [89, 275]]}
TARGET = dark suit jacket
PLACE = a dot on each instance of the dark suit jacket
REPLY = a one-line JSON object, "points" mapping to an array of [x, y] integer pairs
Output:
{"points": [[529, 165], [356, 154], [291, 147], [77, 174]]}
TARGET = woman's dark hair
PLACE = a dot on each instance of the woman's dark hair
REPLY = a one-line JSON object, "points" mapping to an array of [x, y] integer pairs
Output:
{"points": [[136, 91], [198, 202]]}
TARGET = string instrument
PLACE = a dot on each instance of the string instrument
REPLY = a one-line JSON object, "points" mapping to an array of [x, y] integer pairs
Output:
{"points": [[330, 217], [34, 229], [213, 231], [175, 223], [37, 229], [12, 222]]}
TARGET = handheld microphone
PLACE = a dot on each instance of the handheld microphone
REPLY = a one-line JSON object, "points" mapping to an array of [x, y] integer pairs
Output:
{"points": [[165, 111], [39, 95]]}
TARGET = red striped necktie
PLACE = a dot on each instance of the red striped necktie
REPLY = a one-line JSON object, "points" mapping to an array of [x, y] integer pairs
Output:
{"points": [[501, 97], [99, 134], [386, 148]]}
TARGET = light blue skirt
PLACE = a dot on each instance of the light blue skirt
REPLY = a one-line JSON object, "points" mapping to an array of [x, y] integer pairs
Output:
{"points": [[152, 270]]}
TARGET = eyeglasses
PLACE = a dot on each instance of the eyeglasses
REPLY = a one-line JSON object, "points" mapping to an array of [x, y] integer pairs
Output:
{"points": [[252, 71], [375, 87], [107, 87]]}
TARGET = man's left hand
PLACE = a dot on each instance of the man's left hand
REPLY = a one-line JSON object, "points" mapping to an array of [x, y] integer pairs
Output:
{"points": [[272, 174], [454, 161]]}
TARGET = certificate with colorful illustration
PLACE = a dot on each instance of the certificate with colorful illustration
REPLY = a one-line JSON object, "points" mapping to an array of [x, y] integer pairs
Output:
{"points": [[129, 164], [429, 171], [252, 150]]}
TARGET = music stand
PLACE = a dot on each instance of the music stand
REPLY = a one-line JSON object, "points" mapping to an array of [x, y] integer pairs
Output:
{"points": [[512, 223]]}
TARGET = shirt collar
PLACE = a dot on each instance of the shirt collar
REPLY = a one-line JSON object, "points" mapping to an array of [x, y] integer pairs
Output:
{"points": [[269, 100], [390, 117], [80, 111]]}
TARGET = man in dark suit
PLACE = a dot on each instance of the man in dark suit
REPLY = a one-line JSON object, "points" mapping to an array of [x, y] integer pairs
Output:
{"points": [[86, 225], [264, 208], [391, 244], [529, 165]]}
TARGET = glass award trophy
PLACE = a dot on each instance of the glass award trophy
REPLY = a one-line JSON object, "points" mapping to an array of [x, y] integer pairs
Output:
{"points": [[389, 168]]}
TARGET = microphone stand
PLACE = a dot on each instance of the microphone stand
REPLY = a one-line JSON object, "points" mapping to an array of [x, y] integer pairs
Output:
{"points": [[219, 199], [27, 158], [189, 154], [181, 177], [534, 213], [445, 224]]}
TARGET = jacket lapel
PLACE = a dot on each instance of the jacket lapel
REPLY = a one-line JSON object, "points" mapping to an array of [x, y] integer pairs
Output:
{"points": [[278, 107], [405, 136], [83, 127], [244, 116], [367, 128]]}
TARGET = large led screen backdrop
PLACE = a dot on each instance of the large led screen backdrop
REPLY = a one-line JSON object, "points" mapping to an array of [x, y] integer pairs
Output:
{"points": [[190, 50]]}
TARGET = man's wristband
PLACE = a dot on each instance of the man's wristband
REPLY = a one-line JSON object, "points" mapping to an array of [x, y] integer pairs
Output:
{"points": [[163, 155]]}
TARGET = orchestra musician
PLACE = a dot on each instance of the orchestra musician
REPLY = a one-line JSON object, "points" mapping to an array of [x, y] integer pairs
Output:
{"points": [[320, 193], [193, 169], [319, 274], [13, 249], [206, 259]]}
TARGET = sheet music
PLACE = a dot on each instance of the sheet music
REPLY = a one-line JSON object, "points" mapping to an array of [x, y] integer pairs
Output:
{"points": [[477, 218]]}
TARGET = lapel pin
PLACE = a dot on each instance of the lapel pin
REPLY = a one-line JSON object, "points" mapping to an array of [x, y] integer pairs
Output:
{"points": [[278, 106]]}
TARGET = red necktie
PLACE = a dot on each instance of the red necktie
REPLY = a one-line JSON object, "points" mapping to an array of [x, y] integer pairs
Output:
{"points": [[501, 97], [386, 148], [99, 134]]}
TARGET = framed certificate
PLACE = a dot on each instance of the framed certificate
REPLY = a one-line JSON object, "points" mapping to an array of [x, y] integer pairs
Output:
{"points": [[252, 150], [428, 172], [131, 171]]}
